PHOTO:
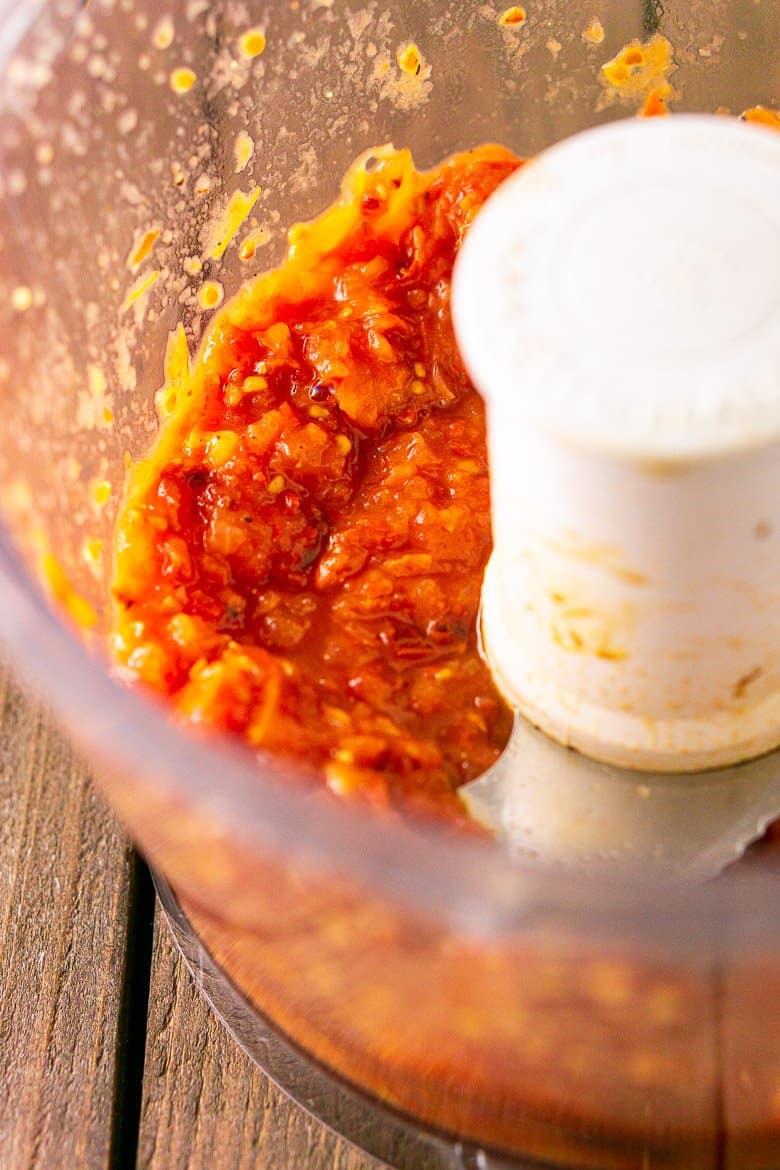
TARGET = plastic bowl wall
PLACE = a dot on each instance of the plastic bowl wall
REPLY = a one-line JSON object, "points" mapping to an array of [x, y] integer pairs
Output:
{"points": [[580, 1022]]}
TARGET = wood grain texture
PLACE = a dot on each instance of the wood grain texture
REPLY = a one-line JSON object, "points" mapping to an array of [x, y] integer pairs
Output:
{"points": [[205, 1105], [64, 877]]}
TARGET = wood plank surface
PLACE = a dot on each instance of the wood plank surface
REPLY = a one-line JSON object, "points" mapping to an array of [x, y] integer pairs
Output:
{"points": [[65, 877], [205, 1105]]}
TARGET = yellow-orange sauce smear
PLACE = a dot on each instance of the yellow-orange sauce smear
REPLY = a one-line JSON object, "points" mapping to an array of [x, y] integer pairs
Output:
{"points": [[299, 560]]}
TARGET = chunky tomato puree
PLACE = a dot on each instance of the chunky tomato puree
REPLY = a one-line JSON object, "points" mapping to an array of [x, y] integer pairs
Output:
{"points": [[299, 560]]}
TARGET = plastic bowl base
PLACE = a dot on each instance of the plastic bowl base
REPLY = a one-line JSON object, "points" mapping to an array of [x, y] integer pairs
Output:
{"points": [[397, 1141]]}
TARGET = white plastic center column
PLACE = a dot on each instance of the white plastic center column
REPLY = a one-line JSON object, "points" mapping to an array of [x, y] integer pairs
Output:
{"points": [[617, 303]]}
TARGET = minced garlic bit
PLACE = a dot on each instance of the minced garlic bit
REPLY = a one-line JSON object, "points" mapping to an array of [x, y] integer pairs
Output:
{"points": [[254, 240], [182, 80], [177, 371], [221, 447], [164, 32], [143, 247], [233, 218], [139, 289], [211, 294], [21, 299], [410, 59], [243, 150], [100, 491], [252, 43], [640, 67], [594, 34], [513, 16], [92, 552]]}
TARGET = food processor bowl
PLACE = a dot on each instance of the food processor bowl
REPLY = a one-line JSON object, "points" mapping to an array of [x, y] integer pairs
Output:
{"points": [[151, 159]]}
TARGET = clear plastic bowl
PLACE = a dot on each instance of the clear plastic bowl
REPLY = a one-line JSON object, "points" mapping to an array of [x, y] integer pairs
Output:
{"points": [[611, 1023]]}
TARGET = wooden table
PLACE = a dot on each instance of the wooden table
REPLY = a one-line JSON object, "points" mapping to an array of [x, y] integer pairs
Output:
{"points": [[109, 1057]]}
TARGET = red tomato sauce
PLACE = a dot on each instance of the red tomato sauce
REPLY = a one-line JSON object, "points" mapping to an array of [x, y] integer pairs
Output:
{"points": [[299, 560]]}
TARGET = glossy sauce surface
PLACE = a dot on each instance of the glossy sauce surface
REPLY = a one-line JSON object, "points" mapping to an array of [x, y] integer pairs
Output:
{"points": [[299, 561]]}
